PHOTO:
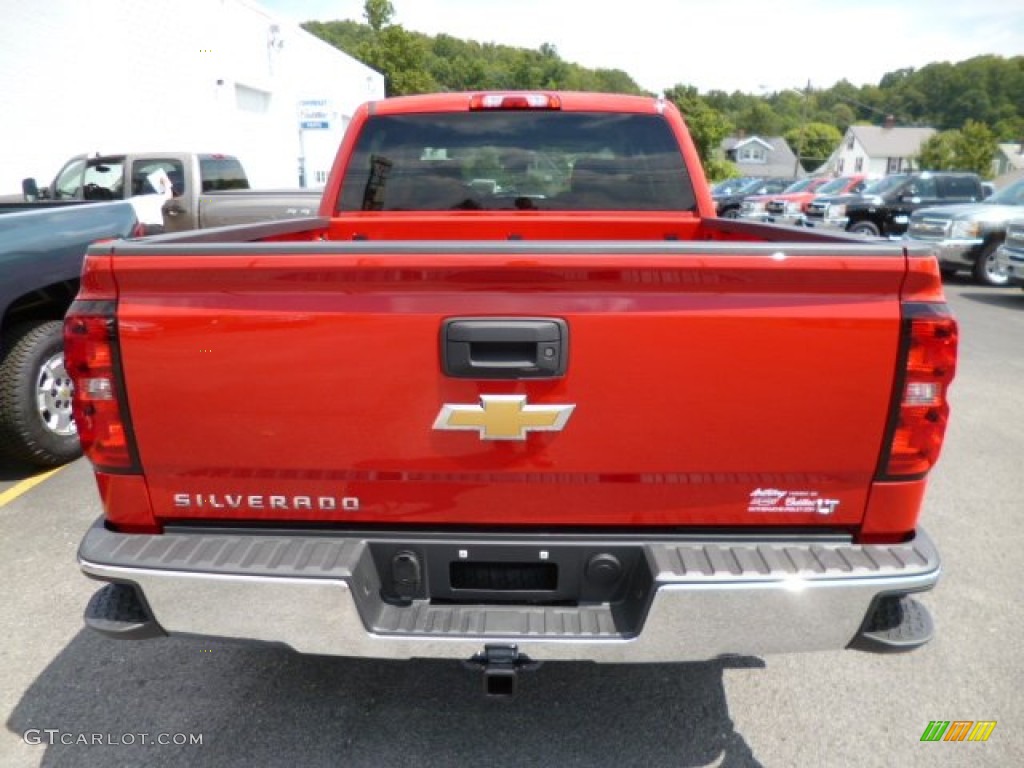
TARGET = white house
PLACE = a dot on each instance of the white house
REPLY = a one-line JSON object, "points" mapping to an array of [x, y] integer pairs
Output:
{"points": [[879, 150], [148, 75], [1009, 158]]}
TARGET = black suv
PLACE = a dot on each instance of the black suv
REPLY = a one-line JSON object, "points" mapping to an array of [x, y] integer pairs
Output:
{"points": [[886, 211]]}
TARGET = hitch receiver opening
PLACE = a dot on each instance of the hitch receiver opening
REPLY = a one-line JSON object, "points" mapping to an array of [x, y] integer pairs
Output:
{"points": [[501, 665]]}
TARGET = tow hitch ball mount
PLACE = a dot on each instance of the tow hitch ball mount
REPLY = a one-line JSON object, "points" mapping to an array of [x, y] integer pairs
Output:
{"points": [[501, 665]]}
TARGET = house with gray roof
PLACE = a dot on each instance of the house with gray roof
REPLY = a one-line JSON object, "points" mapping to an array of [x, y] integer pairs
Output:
{"points": [[879, 150], [767, 157]]}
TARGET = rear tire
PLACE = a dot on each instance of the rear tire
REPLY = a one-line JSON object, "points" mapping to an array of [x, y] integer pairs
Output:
{"points": [[985, 271], [731, 213], [35, 397], [866, 228]]}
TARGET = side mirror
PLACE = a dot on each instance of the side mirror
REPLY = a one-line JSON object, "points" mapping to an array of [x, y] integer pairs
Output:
{"points": [[30, 190]]}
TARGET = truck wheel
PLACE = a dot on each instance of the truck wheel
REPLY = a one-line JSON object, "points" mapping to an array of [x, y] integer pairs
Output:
{"points": [[35, 396], [731, 213], [986, 269], [865, 228]]}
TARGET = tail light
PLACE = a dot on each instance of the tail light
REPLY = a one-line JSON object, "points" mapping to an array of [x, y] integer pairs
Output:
{"points": [[98, 405], [920, 409]]}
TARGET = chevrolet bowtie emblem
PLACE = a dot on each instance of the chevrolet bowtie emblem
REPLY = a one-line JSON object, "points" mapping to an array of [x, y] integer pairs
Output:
{"points": [[503, 417]]}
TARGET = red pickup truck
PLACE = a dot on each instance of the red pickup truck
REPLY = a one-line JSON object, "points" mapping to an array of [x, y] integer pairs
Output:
{"points": [[568, 414]]}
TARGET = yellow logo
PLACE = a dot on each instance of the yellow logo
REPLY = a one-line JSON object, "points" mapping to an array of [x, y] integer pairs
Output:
{"points": [[503, 417]]}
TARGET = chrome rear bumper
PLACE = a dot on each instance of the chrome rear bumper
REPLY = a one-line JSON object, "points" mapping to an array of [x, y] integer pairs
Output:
{"points": [[687, 599]]}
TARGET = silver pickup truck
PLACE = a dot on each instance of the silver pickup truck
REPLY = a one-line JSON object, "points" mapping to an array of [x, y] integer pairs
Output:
{"points": [[185, 190], [1010, 256], [967, 236]]}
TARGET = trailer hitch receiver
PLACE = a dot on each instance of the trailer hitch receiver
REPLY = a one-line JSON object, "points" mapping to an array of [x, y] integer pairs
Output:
{"points": [[501, 665]]}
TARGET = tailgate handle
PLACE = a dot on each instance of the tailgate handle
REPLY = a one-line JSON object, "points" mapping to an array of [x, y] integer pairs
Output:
{"points": [[504, 348]]}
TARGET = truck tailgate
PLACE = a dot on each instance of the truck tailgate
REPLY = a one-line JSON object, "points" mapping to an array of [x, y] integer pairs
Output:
{"points": [[714, 384]]}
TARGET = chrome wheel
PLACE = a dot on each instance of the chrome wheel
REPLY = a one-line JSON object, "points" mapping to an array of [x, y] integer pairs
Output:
{"points": [[989, 271], [53, 397]]}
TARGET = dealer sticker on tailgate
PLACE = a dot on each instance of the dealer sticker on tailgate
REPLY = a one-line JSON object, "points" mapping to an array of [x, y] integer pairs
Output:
{"points": [[776, 500]]}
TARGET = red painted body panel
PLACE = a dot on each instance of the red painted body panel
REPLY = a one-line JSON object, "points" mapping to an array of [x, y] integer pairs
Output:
{"points": [[698, 379], [715, 385]]}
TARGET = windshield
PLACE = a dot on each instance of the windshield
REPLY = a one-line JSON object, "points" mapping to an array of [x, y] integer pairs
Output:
{"points": [[748, 186], [69, 182], [884, 185], [517, 160], [1011, 195], [729, 186], [797, 186], [836, 185]]}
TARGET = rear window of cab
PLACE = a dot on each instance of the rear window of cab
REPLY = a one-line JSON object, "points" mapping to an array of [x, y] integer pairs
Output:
{"points": [[517, 160]]}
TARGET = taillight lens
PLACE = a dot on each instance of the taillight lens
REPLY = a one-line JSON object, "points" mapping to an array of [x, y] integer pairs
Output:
{"points": [[91, 358], [917, 425]]}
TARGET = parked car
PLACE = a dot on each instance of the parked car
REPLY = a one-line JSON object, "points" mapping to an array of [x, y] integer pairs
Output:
{"points": [[828, 209], [764, 207], [728, 205], [1010, 255], [886, 210], [794, 210], [202, 189], [967, 236], [41, 252]]}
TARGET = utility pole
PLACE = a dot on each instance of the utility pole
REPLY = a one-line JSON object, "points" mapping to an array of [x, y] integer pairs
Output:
{"points": [[803, 127]]}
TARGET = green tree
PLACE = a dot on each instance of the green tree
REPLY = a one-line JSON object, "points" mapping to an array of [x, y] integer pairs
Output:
{"points": [[402, 58], [814, 143], [760, 119], [717, 170], [971, 148], [843, 117], [975, 148], [1010, 129], [987, 89], [708, 127], [378, 13], [938, 153]]}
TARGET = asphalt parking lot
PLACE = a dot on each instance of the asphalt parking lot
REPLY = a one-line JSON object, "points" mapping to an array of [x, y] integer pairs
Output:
{"points": [[256, 706]]}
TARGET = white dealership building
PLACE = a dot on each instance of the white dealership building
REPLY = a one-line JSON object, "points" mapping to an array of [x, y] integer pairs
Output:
{"points": [[224, 76]]}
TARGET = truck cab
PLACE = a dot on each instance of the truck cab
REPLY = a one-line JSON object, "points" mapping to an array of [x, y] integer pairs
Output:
{"points": [[180, 178]]}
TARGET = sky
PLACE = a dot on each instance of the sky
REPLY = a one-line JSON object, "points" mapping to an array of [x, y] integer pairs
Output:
{"points": [[753, 46]]}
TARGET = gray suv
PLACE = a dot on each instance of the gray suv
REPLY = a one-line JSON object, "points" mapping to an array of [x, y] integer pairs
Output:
{"points": [[967, 236]]}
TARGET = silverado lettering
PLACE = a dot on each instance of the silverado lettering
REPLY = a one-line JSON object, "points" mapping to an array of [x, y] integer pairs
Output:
{"points": [[220, 501], [596, 421]]}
